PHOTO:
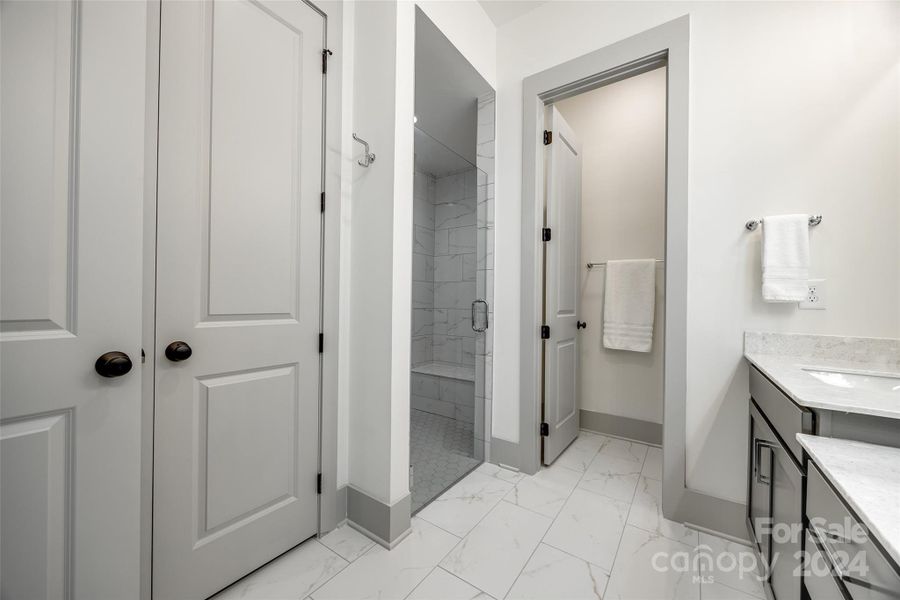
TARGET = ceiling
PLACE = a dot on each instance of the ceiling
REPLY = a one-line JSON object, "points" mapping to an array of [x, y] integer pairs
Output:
{"points": [[504, 11]]}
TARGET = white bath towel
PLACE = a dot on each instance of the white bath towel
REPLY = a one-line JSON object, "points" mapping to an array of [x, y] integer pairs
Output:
{"points": [[785, 258], [628, 305]]}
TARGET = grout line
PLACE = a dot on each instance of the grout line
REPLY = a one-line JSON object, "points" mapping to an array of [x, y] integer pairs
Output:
{"points": [[415, 587], [552, 521]]}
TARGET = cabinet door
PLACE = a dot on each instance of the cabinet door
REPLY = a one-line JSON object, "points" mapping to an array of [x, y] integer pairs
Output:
{"points": [[759, 498], [787, 524]]}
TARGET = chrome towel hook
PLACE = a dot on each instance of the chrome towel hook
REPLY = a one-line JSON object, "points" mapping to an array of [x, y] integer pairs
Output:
{"points": [[370, 156]]}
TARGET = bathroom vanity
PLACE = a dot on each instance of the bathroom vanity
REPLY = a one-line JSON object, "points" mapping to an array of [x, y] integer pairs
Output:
{"points": [[816, 403]]}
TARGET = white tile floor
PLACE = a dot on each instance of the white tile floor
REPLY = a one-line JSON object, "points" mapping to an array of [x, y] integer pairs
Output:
{"points": [[587, 527]]}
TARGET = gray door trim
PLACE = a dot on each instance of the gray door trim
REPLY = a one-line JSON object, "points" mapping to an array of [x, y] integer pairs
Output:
{"points": [[669, 41]]}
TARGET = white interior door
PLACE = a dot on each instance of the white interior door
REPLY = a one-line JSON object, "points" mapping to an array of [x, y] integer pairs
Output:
{"points": [[72, 102], [238, 281], [562, 293]]}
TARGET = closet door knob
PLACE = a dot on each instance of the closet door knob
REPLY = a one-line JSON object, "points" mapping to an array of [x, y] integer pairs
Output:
{"points": [[178, 351], [113, 364], [581, 325]]}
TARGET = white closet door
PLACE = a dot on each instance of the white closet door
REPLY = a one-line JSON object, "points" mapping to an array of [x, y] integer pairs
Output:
{"points": [[238, 276], [562, 293], [72, 102]]}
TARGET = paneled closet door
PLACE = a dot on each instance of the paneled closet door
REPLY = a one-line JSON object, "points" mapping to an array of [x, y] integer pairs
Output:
{"points": [[238, 289], [72, 113]]}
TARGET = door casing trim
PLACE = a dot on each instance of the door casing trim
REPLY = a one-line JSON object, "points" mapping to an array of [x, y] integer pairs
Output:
{"points": [[641, 52]]}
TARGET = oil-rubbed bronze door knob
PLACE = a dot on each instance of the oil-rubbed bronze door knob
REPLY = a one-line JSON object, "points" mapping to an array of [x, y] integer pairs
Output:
{"points": [[113, 364], [178, 351]]}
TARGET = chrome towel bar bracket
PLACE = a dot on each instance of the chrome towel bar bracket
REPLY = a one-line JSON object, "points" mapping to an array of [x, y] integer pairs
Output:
{"points": [[752, 225], [369, 156]]}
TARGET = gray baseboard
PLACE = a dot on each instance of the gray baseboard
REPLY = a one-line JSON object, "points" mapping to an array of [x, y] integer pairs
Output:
{"points": [[713, 515], [340, 501], [505, 453], [385, 524], [625, 427]]}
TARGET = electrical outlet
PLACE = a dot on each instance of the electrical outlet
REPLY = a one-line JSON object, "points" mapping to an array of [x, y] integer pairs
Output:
{"points": [[815, 297]]}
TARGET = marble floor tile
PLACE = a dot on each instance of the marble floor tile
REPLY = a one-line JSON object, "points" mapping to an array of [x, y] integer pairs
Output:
{"points": [[500, 472], [649, 567], [717, 591], [545, 492], [391, 574], [653, 464], [589, 526], [552, 574], [294, 574], [623, 449], [461, 507], [612, 476], [743, 578], [646, 514], [494, 552], [581, 452], [441, 585], [347, 542]]}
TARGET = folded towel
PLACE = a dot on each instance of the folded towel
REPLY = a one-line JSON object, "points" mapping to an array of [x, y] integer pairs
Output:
{"points": [[628, 304], [785, 258]]}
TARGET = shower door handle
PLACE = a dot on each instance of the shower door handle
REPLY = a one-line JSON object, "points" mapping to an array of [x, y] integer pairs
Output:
{"points": [[474, 321]]}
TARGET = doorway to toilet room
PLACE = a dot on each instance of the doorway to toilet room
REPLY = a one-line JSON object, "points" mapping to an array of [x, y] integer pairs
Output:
{"points": [[604, 264]]}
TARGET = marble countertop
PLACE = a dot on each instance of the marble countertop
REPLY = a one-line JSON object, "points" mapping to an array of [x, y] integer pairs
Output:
{"points": [[785, 358], [868, 478]]}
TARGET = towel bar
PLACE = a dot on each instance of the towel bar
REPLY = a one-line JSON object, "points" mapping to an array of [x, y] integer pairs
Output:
{"points": [[752, 225], [591, 265]]}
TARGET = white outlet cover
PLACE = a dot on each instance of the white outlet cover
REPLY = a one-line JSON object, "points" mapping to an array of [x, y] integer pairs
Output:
{"points": [[816, 297]]}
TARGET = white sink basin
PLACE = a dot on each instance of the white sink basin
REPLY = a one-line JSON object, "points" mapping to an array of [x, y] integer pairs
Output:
{"points": [[856, 380]]}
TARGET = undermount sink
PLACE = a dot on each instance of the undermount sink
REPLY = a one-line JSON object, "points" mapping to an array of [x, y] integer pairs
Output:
{"points": [[856, 380]]}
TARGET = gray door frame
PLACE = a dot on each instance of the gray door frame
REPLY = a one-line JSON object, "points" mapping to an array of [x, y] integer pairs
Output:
{"points": [[667, 44]]}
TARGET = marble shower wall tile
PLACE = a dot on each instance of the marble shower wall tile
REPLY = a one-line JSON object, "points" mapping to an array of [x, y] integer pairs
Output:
{"points": [[423, 240], [448, 267], [454, 294]]}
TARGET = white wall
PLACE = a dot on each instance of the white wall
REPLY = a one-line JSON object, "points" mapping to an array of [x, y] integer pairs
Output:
{"points": [[794, 108], [622, 129], [468, 27]]}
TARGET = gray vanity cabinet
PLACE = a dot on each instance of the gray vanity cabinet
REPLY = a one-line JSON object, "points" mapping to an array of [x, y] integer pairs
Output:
{"points": [[775, 484]]}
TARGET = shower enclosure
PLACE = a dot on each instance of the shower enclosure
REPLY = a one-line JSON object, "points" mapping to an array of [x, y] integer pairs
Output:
{"points": [[450, 319]]}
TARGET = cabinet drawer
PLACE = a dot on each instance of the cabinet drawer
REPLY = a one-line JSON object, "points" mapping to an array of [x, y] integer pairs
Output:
{"points": [[867, 573], [818, 578], [785, 415]]}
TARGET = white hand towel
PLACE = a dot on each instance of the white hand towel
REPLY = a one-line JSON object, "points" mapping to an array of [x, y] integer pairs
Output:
{"points": [[785, 258], [628, 305]]}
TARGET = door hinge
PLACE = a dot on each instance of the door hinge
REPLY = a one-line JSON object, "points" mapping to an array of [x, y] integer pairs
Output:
{"points": [[325, 54], [548, 137], [545, 430], [323, 202], [318, 483], [545, 332], [545, 234], [321, 343]]}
